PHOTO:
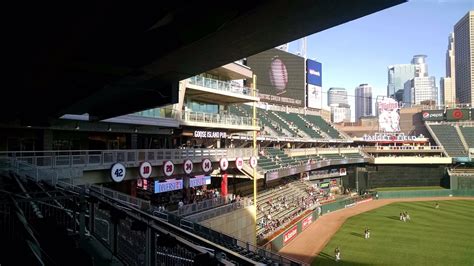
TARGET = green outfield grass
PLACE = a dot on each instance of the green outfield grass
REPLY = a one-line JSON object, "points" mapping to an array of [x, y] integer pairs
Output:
{"points": [[443, 236], [408, 188]]}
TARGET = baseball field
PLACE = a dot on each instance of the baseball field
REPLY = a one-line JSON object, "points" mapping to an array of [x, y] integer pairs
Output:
{"points": [[433, 236]]}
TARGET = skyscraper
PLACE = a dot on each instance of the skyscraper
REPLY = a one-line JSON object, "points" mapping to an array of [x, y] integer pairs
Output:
{"points": [[464, 58], [421, 88], [340, 109], [397, 76], [447, 84], [337, 96], [363, 101], [421, 68], [340, 112]]}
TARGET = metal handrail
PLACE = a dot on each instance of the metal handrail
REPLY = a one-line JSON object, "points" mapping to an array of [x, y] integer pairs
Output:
{"points": [[220, 85], [222, 119], [97, 159]]}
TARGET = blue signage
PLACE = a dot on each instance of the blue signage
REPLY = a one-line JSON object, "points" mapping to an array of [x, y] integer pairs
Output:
{"points": [[199, 181], [314, 73], [169, 185]]}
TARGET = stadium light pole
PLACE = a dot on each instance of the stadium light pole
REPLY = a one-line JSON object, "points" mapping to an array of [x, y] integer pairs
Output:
{"points": [[254, 152]]}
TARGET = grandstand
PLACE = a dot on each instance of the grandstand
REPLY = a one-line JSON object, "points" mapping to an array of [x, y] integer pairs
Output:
{"points": [[468, 133], [279, 123], [450, 136]]}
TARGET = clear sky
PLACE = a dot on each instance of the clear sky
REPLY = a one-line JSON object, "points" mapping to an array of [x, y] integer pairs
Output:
{"points": [[359, 51]]}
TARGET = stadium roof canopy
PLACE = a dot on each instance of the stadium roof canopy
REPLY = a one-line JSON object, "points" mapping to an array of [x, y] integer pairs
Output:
{"points": [[109, 58]]}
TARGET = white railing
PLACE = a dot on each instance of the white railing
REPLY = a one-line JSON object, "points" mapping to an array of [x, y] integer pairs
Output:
{"points": [[223, 209], [438, 107], [221, 85], [189, 116], [315, 151], [201, 205], [102, 159], [403, 148], [122, 197]]}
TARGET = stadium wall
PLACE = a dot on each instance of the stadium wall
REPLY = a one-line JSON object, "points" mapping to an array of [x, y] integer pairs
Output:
{"points": [[462, 182], [239, 224], [426, 193], [406, 176]]}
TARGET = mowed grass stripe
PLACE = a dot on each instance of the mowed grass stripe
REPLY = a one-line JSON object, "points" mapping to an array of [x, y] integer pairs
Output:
{"points": [[443, 236]]}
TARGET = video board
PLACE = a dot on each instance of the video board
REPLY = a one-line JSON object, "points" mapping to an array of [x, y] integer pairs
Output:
{"points": [[280, 77]]}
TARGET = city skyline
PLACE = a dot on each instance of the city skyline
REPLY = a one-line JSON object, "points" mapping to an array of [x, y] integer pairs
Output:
{"points": [[360, 51]]}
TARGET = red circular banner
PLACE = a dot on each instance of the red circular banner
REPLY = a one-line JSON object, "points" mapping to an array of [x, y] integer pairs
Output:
{"points": [[457, 114]]}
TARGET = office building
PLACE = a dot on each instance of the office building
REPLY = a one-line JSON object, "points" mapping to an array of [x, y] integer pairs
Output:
{"points": [[464, 58], [447, 84], [421, 67], [337, 96], [340, 112], [422, 88], [397, 76], [363, 101]]}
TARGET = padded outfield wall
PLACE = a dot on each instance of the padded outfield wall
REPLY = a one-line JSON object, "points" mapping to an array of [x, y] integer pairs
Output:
{"points": [[406, 176]]}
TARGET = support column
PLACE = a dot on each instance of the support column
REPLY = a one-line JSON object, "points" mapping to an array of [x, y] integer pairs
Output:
{"points": [[82, 216], [134, 141], [149, 247], [47, 139]]}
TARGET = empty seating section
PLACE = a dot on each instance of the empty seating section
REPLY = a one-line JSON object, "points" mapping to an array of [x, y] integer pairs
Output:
{"points": [[295, 120], [305, 158], [282, 124], [264, 119], [352, 155], [332, 156], [289, 124], [449, 138], [280, 157], [236, 110], [266, 163], [275, 159], [468, 133], [324, 126]]}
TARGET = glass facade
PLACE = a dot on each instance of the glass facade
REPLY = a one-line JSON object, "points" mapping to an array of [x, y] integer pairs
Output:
{"points": [[464, 58], [420, 89], [397, 76], [202, 107], [337, 96], [363, 101]]}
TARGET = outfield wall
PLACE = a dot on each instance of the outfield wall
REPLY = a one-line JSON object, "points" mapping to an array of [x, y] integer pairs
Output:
{"points": [[425, 193], [462, 182], [406, 176]]}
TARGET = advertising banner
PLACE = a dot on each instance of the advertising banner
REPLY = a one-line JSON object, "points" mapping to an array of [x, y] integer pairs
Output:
{"points": [[281, 77], [168, 185], [307, 221], [315, 98], [199, 180], [290, 234], [314, 72], [457, 114], [320, 174], [432, 115], [389, 116]]}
